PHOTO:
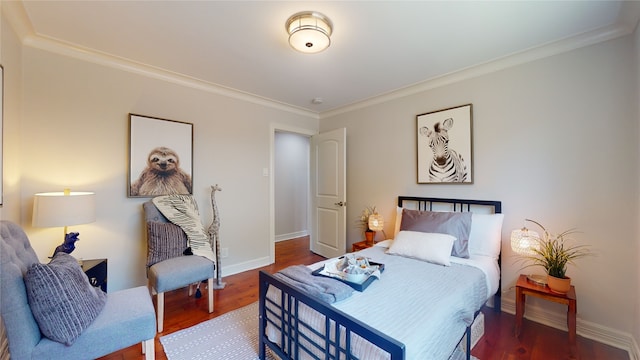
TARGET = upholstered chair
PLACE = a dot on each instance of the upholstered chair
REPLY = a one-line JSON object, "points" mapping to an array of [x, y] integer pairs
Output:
{"points": [[168, 268], [81, 331]]}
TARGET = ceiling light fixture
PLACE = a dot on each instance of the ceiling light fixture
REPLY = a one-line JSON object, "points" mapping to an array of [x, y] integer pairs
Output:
{"points": [[309, 31]]}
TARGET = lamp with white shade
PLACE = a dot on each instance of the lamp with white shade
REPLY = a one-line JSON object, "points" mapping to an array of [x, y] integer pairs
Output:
{"points": [[524, 242], [67, 208], [376, 223]]}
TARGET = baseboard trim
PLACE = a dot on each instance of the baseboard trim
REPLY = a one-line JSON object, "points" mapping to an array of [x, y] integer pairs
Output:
{"points": [[245, 266], [587, 329], [293, 235]]}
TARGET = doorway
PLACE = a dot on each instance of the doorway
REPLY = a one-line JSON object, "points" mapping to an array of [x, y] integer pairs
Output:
{"points": [[303, 135], [291, 185]]}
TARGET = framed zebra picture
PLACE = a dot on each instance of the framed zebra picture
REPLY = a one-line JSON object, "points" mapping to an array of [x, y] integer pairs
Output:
{"points": [[445, 146]]}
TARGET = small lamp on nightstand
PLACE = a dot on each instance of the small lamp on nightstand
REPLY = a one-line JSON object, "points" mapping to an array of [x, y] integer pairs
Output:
{"points": [[376, 223], [524, 242], [66, 208]]}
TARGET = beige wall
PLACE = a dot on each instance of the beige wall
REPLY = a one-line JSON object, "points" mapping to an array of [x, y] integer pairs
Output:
{"points": [[555, 140], [74, 133], [11, 60]]}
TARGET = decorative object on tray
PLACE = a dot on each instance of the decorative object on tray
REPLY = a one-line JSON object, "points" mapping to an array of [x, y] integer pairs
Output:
{"points": [[357, 271], [553, 253]]}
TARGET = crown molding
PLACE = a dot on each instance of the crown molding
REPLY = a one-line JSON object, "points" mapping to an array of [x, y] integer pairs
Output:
{"points": [[18, 19], [21, 24], [522, 57]]}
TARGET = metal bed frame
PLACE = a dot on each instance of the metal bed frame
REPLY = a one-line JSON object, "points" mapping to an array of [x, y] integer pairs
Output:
{"points": [[339, 327]]}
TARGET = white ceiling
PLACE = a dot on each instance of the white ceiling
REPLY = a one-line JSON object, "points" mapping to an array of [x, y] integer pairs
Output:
{"points": [[377, 46]]}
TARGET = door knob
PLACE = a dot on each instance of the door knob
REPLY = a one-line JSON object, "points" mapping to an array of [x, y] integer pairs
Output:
{"points": [[340, 203]]}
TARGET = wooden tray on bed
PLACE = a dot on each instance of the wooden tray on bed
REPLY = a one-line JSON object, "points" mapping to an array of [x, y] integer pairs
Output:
{"points": [[357, 286]]}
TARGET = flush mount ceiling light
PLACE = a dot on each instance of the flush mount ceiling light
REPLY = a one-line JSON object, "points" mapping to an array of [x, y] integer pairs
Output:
{"points": [[309, 31]]}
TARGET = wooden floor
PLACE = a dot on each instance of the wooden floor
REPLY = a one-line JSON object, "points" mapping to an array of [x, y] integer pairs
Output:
{"points": [[537, 342]]}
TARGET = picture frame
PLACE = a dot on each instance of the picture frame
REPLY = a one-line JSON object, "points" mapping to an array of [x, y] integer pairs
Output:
{"points": [[160, 157], [445, 146]]}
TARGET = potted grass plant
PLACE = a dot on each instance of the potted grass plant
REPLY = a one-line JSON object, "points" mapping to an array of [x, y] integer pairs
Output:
{"points": [[553, 253]]}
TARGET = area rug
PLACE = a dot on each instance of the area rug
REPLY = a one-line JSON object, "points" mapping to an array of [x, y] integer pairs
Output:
{"points": [[231, 336]]}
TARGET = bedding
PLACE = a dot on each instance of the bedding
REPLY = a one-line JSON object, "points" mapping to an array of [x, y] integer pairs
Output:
{"points": [[418, 309], [485, 235], [456, 224], [427, 334], [432, 247]]}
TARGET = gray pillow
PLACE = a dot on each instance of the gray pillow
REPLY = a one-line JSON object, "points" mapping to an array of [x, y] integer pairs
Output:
{"points": [[457, 224], [165, 241], [62, 300]]}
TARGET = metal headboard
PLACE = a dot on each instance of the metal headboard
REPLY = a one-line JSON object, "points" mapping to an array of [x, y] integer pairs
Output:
{"points": [[427, 204]]}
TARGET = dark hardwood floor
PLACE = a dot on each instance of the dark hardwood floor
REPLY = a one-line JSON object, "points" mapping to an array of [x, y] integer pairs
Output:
{"points": [[537, 342]]}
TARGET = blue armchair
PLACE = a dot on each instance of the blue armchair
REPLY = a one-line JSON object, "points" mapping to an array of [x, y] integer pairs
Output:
{"points": [[127, 317]]}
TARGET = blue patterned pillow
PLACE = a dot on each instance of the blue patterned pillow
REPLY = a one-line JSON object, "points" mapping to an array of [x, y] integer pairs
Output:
{"points": [[165, 241], [62, 300]]}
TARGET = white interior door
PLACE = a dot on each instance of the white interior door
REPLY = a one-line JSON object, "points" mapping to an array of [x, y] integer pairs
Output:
{"points": [[328, 193]]}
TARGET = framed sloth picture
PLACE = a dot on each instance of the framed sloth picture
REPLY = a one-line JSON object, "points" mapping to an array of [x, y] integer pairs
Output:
{"points": [[445, 146], [160, 157]]}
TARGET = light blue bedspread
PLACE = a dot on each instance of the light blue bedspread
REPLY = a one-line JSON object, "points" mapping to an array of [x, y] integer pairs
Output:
{"points": [[425, 306]]}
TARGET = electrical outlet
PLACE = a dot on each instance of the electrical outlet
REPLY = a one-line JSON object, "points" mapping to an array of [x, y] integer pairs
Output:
{"points": [[224, 252]]}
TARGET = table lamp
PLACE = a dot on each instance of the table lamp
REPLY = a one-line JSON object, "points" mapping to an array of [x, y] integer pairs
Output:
{"points": [[524, 242], [376, 223], [55, 209]]}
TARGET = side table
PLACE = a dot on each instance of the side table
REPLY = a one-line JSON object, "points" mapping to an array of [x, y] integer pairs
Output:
{"points": [[361, 245], [524, 287], [96, 271]]}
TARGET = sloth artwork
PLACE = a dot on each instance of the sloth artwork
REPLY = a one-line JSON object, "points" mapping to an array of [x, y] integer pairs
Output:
{"points": [[162, 176]]}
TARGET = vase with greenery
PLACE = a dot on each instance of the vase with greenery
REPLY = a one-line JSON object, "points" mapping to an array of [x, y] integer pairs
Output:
{"points": [[553, 253]]}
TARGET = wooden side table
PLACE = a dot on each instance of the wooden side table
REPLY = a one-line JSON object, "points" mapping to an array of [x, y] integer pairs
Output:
{"points": [[361, 245], [525, 287]]}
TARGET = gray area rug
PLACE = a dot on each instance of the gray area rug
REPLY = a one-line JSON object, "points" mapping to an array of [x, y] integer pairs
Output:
{"points": [[232, 336]]}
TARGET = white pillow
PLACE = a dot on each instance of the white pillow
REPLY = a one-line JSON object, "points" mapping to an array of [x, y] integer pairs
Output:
{"points": [[431, 247], [396, 230], [485, 237]]}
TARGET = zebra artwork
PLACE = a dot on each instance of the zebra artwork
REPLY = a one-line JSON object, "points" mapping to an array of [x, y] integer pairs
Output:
{"points": [[447, 165]]}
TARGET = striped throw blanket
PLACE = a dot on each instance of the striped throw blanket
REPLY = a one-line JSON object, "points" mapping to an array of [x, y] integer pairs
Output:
{"points": [[182, 210]]}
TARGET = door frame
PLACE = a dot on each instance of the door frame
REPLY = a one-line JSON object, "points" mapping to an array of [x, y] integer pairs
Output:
{"points": [[273, 128]]}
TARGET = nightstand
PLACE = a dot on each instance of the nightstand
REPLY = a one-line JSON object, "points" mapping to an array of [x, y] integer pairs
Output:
{"points": [[96, 271], [525, 287], [361, 245]]}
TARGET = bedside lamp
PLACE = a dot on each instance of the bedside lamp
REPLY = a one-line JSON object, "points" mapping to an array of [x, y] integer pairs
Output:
{"points": [[55, 209], [376, 223], [524, 242]]}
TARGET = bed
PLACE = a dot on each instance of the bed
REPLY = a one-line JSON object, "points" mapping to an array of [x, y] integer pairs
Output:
{"points": [[421, 307]]}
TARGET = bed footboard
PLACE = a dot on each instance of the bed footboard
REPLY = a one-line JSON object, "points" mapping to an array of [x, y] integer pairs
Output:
{"points": [[334, 338]]}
